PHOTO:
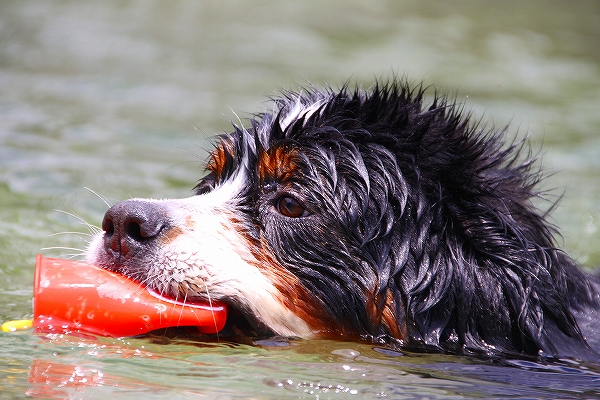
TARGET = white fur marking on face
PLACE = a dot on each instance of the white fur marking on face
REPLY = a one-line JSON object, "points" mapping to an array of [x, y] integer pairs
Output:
{"points": [[213, 258]]}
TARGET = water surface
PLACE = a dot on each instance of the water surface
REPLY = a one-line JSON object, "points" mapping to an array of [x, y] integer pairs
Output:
{"points": [[122, 98]]}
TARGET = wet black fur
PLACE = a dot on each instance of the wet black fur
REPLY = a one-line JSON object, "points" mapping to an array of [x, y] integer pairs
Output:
{"points": [[415, 201]]}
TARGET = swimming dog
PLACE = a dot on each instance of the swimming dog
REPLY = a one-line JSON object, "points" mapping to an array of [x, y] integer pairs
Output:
{"points": [[370, 214]]}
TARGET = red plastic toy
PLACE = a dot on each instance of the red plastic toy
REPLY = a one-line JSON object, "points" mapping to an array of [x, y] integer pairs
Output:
{"points": [[72, 296]]}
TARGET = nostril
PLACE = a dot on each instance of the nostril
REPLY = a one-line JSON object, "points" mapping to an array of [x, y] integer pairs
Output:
{"points": [[134, 231], [108, 226]]}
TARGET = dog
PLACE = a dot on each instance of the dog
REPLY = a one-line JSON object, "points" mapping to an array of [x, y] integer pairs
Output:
{"points": [[366, 214]]}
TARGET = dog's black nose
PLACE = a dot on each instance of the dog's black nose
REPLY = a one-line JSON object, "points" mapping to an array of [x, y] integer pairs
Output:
{"points": [[132, 225]]}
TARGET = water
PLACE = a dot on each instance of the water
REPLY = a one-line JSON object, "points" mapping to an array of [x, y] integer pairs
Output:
{"points": [[123, 97], [86, 368]]}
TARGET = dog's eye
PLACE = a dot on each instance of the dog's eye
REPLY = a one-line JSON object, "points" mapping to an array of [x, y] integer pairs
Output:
{"points": [[290, 207]]}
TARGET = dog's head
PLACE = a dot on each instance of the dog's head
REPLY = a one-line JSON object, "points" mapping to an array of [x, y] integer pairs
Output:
{"points": [[355, 213]]}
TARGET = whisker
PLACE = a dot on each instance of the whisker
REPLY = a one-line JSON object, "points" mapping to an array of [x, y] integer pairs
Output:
{"points": [[194, 125], [69, 256], [63, 248], [212, 312], [181, 311], [92, 228], [99, 196], [72, 233], [76, 251]]}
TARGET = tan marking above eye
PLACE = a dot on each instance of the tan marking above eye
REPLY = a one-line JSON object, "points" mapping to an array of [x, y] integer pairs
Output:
{"points": [[218, 158], [279, 163]]}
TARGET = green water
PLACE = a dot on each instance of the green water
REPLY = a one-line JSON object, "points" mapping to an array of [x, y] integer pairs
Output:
{"points": [[121, 99]]}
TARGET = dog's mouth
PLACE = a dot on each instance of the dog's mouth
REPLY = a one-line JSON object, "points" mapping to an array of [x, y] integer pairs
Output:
{"points": [[241, 324]]}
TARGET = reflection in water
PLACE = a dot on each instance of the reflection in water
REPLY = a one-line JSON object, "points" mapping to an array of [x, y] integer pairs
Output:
{"points": [[55, 380], [84, 367]]}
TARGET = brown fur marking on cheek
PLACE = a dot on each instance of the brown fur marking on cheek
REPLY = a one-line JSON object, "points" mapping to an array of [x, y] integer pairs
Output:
{"points": [[279, 163], [294, 296]]}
